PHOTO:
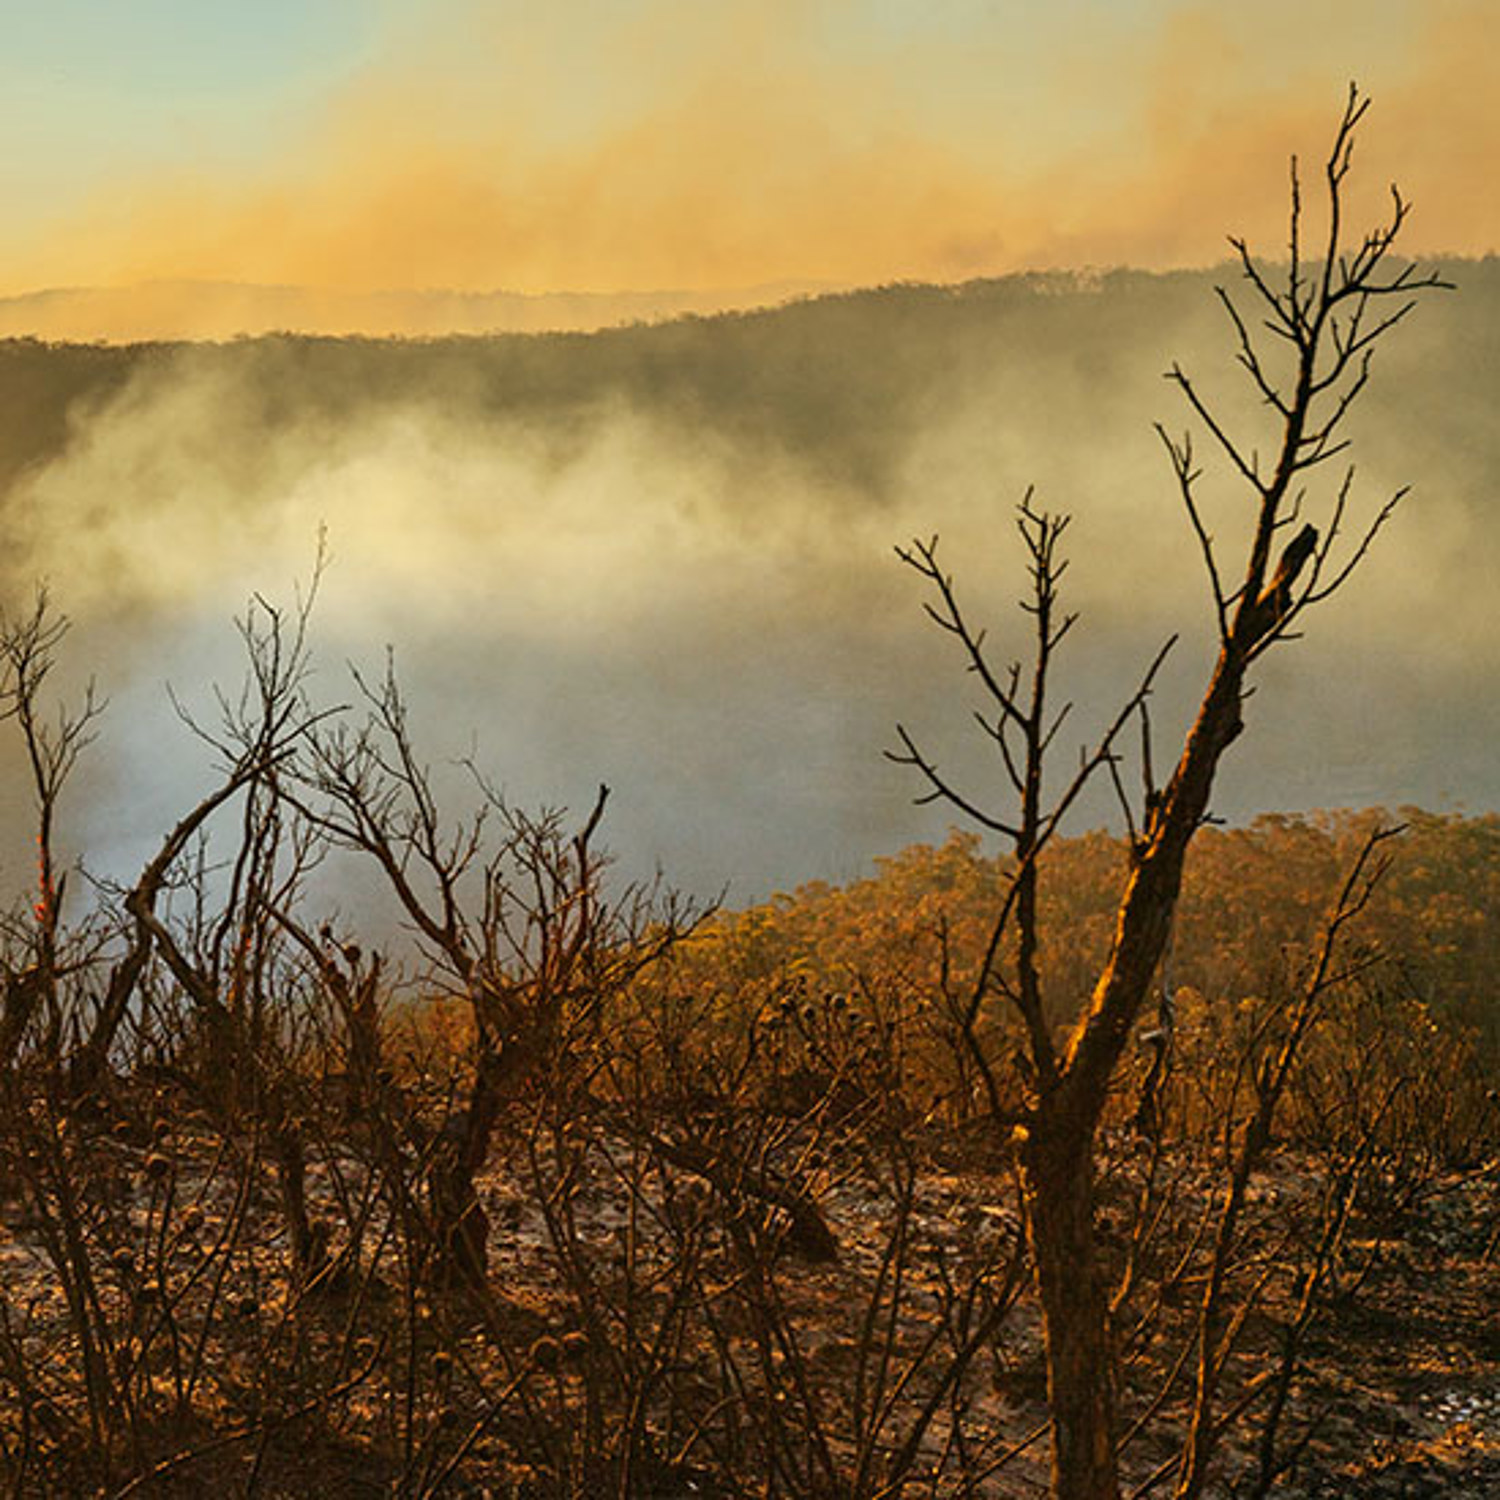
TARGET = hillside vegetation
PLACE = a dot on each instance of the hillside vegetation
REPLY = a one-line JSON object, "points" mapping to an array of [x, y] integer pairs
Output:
{"points": [[743, 1221], [841, 379]]}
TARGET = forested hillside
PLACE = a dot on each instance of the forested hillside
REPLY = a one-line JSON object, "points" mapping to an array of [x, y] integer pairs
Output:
{"points": [[661, 555], [1252, 896]]}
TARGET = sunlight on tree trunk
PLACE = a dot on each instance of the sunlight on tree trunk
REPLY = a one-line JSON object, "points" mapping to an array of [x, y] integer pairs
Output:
{"points": [[1328, 313]]}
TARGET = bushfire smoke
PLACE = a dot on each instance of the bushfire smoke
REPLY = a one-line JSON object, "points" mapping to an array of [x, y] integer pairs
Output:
{"points": [[661, 557]]}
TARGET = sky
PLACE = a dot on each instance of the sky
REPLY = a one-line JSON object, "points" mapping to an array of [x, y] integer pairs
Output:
{"points": [[715, 502], [355, 146]]}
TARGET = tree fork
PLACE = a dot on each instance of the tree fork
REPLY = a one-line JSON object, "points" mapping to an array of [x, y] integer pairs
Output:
{"points": [[1319, 313]]}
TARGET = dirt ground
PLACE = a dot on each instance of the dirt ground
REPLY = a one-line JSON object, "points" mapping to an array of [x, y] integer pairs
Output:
{"points": [[1397, 1392]]}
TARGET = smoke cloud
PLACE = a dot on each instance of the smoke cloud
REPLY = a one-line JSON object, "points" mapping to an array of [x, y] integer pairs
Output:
{"points": [[698, 148], [661, 557]]}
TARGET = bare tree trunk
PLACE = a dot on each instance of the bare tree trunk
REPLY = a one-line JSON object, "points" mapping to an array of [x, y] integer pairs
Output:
{"points": [[460, 1226], [1325, 313], [459, 1223], [1058, 1176], [20, 995], [290, 1156]]}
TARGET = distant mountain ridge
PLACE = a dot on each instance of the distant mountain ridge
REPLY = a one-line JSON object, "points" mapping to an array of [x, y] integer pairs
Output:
{"points": [[660, 554], [218, 310]]}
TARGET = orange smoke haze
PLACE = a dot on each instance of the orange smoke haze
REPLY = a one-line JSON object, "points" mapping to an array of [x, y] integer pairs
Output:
{"points": [[706, 148]]}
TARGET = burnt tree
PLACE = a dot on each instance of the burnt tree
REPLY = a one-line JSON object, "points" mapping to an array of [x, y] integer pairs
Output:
{"points": [[1324, 313]]}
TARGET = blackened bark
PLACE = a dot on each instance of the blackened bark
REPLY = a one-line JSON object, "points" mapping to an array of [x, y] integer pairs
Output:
{"points": [[1058, 1149], [1058, 1176], [460, 1224]]}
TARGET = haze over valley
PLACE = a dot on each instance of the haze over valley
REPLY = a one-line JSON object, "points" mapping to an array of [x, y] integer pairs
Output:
{"points": [[616, 347], [661, 556]]}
